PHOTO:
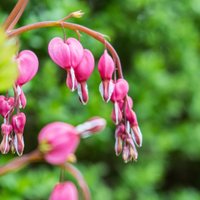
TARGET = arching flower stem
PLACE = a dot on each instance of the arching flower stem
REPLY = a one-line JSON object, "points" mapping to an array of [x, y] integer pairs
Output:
{"points": [[72, 26], [21, 162], [15, 14]]}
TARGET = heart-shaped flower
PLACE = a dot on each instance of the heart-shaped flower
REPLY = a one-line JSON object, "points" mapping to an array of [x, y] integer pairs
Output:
{"points": [[120, 90], [27, 66], [57, 141]]}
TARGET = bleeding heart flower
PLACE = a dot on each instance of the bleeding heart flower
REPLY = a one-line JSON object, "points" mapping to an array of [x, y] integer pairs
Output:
{"points": [[6, 104], [120, 90], [82, 73], [18, 123], [106, 68], [67, 54], [57, 141], [27, 66], [6, 130], [64, 191]]}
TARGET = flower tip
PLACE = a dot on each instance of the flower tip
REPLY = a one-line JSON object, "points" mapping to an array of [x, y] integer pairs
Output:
{"points": [[78, 14]]}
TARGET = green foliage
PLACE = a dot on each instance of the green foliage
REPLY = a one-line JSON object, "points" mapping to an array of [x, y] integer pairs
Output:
{"points": [[158, 43], [8, 68]]}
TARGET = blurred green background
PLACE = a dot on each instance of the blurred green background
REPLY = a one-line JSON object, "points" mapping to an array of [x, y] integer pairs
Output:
{"points": [[158, 42]]}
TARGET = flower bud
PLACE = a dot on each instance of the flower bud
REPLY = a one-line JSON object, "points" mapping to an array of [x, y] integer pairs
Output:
{"points": [[106, 66], [120, 90], [6, 130], [64, 191], [6, 105], [57, 141], [18, 123], [82, 73], [27, 66], [91, 126]]}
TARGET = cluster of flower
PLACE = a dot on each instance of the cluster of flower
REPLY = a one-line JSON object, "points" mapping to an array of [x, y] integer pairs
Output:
{"points": [[13, 127], [79, 64]]}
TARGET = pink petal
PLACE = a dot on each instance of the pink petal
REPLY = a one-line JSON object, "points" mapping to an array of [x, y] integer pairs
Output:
{"points": [[64, 191], [27, 66], [120, 90], [85, 67], [106, 66]]}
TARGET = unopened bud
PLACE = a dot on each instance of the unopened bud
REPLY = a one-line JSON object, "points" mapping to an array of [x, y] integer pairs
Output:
{"points": [[91, 126]]}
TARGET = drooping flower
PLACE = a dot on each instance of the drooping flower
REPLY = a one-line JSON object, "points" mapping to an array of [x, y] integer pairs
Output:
{"points": [[57, 141], [121, 88], [6, 104], [82, 73], [106, 68], [64, 191], [18, 123], [66, 54], [27, 66], [6, 130]]}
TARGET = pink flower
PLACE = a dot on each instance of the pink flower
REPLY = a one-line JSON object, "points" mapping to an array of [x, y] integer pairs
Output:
{"points": [[82, 73], [64, 191], [57, 141], [120, 90], [18, 123], [106, 68], [6, 104], [27, 66], [67, 54], [6, 130]]}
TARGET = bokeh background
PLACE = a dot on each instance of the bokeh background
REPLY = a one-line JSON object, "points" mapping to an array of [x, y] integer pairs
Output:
{"points": [[158, 42]]}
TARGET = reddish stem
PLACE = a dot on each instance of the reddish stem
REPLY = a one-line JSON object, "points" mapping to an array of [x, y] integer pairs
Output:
{"points": [[21, 162], [78, 176], [15, 13], [98, 36]]}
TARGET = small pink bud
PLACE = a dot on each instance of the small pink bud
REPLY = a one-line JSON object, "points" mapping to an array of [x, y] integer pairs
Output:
{"points": [[129, 103], [57, 141], [64, 191], [106, 88], [116, 114], [91, 126], [18, 123], [6, 130], [6, 105], [27, 66], [66, 53], [120, 90], [106, 66], [85, 67], [22, 100]]}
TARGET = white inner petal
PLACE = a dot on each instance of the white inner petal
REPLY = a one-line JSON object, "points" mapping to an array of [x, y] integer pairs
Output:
{"points": [[110, 89], [101, 90], [116, 109], [73, 78]]}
